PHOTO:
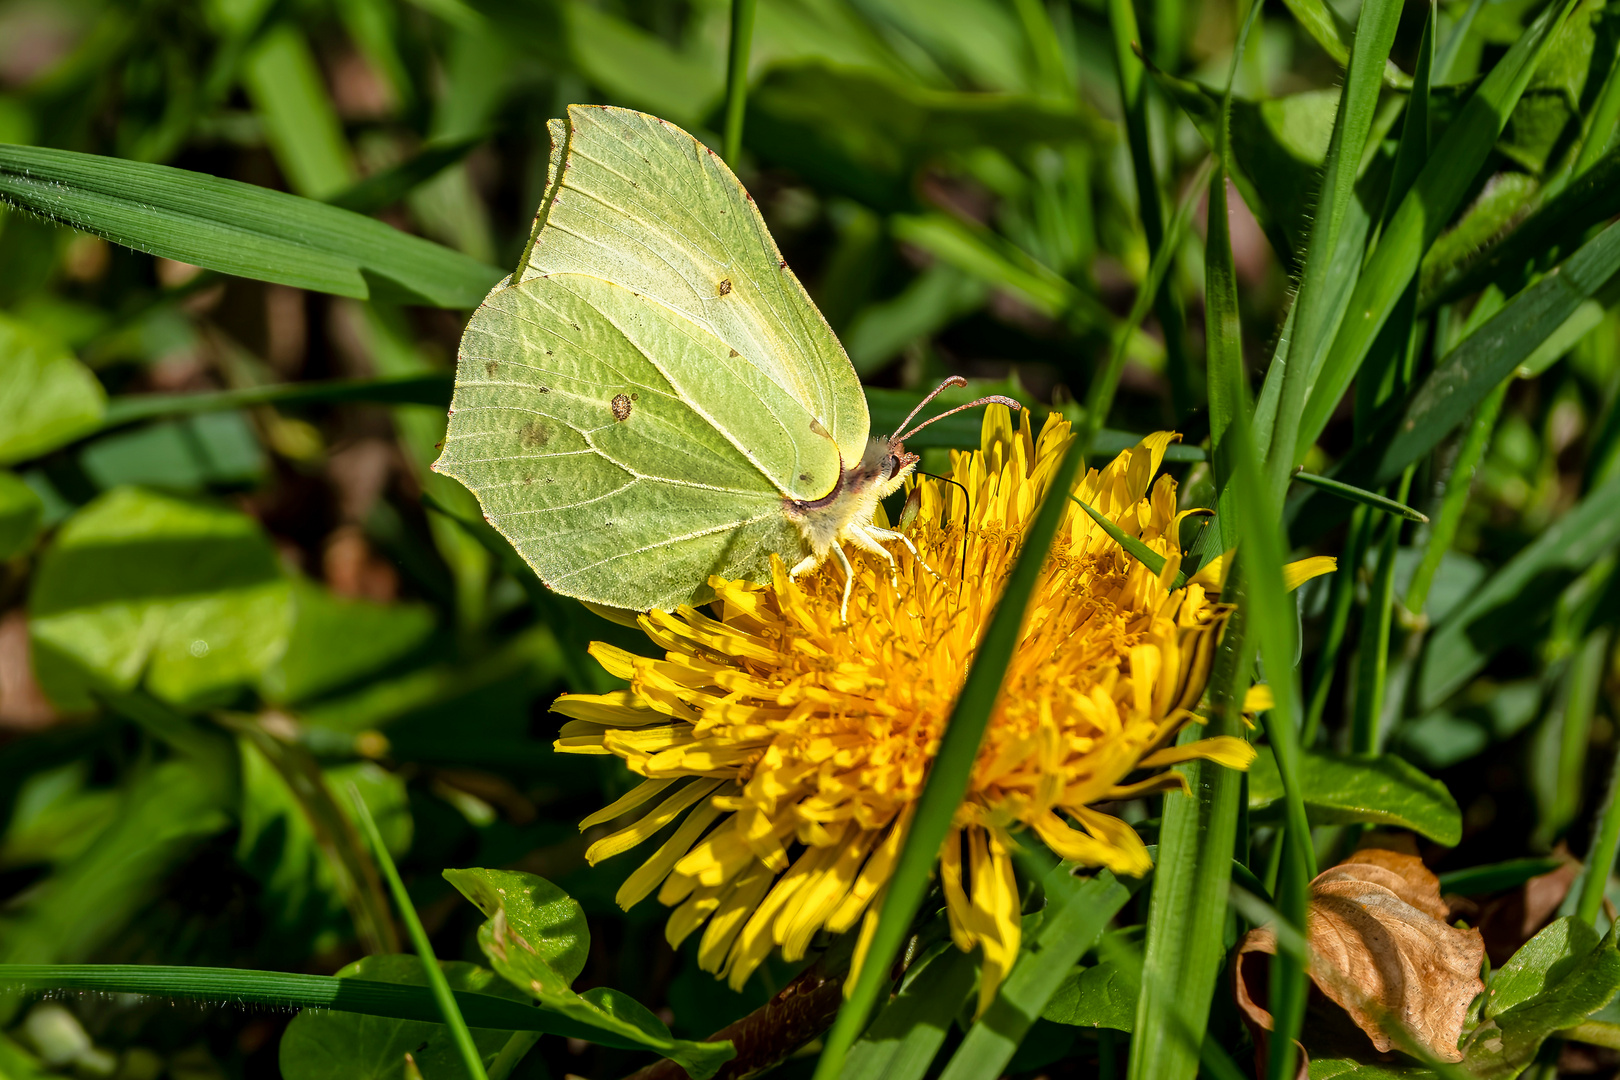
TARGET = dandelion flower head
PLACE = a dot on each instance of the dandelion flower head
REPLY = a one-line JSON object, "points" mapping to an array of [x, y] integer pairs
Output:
{"points": [[792, 747]]}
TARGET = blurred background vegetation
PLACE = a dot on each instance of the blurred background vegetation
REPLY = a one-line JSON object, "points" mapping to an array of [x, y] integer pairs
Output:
{"points": [[953, 181]]}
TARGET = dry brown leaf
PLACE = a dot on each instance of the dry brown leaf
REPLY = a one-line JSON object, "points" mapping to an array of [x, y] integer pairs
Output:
{"points": [[1380, 950]]}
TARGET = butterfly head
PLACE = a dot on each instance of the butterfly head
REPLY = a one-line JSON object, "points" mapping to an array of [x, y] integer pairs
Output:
{"points": [[894, 446]]}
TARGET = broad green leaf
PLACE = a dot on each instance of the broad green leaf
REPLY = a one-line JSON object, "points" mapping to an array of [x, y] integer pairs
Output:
{"points": [[1077, 915], [139, 587], [1521, 595], [1502, 203], [1558, 223], [949, 774], [908, 1032], [165, 812], [1548, 115], [888, 129], [1342, 789], [334, 641], [1553, 982], [192, 454], [1351, 1069], [238, 228], [536, 938], [1100, 996], [21, 512], [47, 397], [327, 1045], [1427, 207]]}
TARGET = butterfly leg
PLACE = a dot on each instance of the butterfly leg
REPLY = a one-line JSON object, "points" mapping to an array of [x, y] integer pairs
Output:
{"points": [[865, 538], [877, 532], [803, 567], [849, 581]]}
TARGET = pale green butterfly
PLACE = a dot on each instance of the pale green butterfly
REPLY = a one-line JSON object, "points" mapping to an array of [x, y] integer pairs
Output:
{"points": [[656, 399]]}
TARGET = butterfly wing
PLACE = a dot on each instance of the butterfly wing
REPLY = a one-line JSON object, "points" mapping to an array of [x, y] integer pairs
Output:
{"points": [[608, 481], [636, 201]]}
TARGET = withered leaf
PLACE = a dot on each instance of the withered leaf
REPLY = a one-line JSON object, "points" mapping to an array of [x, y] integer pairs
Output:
{"points": [[1381, 950]]}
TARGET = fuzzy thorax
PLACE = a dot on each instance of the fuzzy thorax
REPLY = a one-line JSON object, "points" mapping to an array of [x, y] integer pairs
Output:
{"points": [[846, 514]]}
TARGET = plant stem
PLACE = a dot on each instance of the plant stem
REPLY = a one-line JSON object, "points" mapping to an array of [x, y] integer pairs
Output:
{"points": [[742, 35], [424, 948]]}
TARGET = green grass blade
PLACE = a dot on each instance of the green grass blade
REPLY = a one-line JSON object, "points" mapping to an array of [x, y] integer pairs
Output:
{"points": [[1341, 599], [384, 189], [432, 388], [1149, 201], [1488, 356], [1184, 952], [1601, 124], [1360, 495], [1100, 395], [742, 36], [1458, 487], [442, 995], [1133, 547], [289, 95], [1372, 660], [1427, 207], [1462, 644], [1329, 271], [238, 228], [905, 1036], [1076, 917], [949, 774], [1454, 41], [281, 990]]}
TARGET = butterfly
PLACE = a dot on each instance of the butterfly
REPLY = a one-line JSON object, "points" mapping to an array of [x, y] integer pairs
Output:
{"points": [[653, 398]]}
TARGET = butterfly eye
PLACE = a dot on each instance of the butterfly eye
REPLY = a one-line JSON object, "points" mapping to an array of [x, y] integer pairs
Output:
{"points": [[891, 465]]}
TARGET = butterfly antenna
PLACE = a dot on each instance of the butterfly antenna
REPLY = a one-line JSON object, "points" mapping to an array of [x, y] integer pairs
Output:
{"points": [[954, 380], [993, 399], [967, 499]]}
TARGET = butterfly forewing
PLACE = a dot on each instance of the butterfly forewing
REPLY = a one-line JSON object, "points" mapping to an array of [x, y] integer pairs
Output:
{"points": [[642, 204], [585, 457]]}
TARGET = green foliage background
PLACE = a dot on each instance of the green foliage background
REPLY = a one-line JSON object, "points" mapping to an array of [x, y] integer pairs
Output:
{"points": [[231, 594]]}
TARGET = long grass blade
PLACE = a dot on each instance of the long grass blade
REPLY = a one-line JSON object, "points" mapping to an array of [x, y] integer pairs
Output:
{"points": [[238, 228], [1439, 189], [1486, 357], [1186, 919], [1149, 201], [1075, 918], [1100, 396], [440, 987], [948, 777], [1360, 495], [1329, 272], [742, 36], [1458, 487], [281, 990], [1589, 666], [431, 388]]}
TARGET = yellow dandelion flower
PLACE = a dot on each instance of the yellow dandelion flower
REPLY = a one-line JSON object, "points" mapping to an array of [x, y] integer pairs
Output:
{"points": [[793, 747]]}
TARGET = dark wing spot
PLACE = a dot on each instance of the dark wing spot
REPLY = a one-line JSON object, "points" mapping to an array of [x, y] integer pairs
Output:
{"points": [[815, 427], [490, 368], [782, 265], [734, 352], [635, 397], [545, 389], [804, 476], [621, 407], [534, 435], [725, 286]]}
